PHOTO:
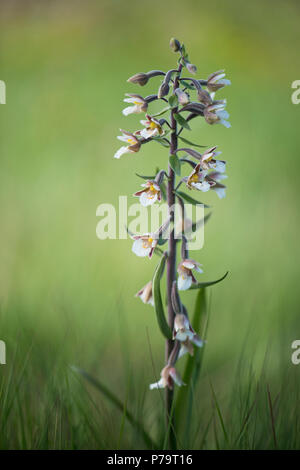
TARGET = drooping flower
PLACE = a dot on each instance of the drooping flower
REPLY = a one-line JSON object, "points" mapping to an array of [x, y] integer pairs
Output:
{"points": [[182, 328], [185, 273], [216, 81], [218, 187], [152, 128], [150, 194], [144, 245], [139, 105], [209, 162], [187, 345], [133, 144], [215, 113], [169, 376], [146, 294], [197, 179]]}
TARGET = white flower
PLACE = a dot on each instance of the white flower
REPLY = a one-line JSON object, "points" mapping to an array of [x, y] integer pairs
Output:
{"points": [[203, 186], [187, 346], [144, 245], [152, 128], [185, 274], [197, 179], [150, 194], [216, 81], [222, 118], [209, 162], [216, 113], [133, 144], [219, 188], [169, 376], [182, 328], [146, 294], [138, 102], [221, 192]]}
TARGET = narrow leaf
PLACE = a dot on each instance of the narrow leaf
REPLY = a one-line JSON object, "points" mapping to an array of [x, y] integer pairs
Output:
{"points": [[181, 121], [193, 364], [188, 198], [187, 85], [173, 101], [175, 164], [162, 241], [199, 285], [145, 177], [163, 111], [190, 143], [163, 190], [201, 222], [159, 309], [161, 141], [113, 399]]}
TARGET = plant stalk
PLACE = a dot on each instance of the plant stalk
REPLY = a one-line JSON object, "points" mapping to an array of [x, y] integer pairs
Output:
{"points": [[171, 269]]}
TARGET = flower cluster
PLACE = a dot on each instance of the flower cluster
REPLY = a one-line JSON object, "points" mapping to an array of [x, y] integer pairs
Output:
{"points": [[184, 98]]}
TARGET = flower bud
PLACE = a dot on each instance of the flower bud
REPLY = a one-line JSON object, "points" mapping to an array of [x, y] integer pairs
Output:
{"points": [[175, 45], [163, 90], [176, 302], [191, 67], [204, 97], [182, 96], [139, 79]]}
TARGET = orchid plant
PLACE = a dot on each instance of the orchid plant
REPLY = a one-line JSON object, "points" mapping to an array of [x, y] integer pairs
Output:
{"points": [[185, 98]]}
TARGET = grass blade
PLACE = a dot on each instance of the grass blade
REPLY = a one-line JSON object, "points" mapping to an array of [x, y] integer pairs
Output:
{"points": [[219, 413], [118, 404], [272, 418]]}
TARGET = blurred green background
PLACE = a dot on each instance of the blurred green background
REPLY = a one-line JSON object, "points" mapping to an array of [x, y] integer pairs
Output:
{"points": [[68, 298]]}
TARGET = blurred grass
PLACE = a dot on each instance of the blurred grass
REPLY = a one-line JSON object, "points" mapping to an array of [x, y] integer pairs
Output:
{"points": [[66, 297]]}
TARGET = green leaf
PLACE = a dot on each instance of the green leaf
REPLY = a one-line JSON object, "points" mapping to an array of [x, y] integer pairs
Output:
{"points": [[193, 364], [199, 285], [161, 141], [190, 143], [189, 199], [158, 251], [145, 177], [173, 101], [175, 164], [201, 222], [163, 111], [187, 85], [115, 401], [163, 191], [158, 305], [181, 121]]}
